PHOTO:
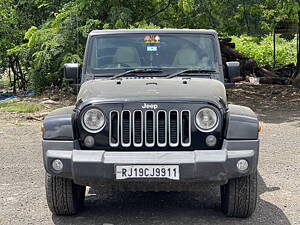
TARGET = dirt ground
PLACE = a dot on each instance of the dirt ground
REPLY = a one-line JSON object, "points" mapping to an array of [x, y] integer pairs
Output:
{"points": [[22, 193]]}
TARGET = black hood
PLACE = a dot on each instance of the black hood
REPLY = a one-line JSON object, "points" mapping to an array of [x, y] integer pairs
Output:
{"points": [[153, 88]]}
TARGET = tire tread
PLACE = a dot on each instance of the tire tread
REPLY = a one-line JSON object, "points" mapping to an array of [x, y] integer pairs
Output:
{"points": [[64, 197], [239, 196]]}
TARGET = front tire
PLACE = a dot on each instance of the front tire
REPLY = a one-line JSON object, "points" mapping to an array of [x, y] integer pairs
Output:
{"points": [[64, 197], [239, 196]]}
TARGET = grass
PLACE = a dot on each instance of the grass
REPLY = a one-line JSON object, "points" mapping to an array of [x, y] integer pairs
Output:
{"points": [[20, 107], [20, 124]]}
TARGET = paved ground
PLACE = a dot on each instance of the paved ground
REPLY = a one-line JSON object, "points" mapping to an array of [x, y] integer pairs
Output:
{"points": [[22, 194]]}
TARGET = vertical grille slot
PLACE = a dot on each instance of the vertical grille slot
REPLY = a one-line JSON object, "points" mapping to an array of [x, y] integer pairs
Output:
{"points": [[114, 124], [185, 128], [161, 128], [137, 128], [173, 128], [150, 128], [126, 128]]}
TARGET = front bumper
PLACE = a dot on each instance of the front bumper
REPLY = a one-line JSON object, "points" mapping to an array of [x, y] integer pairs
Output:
{"points": [[96, 168]]}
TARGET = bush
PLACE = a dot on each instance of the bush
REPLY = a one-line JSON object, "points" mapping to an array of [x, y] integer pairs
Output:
{"points": [[262, 49]]}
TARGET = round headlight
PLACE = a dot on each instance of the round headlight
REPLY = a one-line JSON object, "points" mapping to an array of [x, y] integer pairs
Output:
{"points": [[93, 120], [206, 120]]}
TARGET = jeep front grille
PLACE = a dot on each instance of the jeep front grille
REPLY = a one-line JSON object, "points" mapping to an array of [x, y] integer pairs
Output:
{"points": [[150, 128]]}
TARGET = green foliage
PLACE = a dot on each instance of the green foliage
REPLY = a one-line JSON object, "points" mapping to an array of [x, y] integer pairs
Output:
{"points": [[21, 107], [263, 49], [44, 34]]}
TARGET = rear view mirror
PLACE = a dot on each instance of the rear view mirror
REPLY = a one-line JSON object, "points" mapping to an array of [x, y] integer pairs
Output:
{"points": [[233, 69], [72, 72]]}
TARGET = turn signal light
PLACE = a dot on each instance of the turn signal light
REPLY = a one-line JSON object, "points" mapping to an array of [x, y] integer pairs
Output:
{"points": [[259, 129]]}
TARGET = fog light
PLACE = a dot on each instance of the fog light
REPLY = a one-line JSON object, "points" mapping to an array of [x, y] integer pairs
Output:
{"points": [[89, 141], [211, 140], [242, 164], [57, 165]]}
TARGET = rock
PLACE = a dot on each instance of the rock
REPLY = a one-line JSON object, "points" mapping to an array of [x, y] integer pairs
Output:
{"points": [[34, 118], [49, 101], [254, 80], [297, 81], [44, 114], [55, 98], [275, 92]]}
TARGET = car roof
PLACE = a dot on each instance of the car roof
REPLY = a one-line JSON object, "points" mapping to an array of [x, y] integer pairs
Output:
{"points": [[153, 31]]}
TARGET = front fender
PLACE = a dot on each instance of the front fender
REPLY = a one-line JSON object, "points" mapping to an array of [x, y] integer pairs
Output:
{"points": [[242, 123], [58, 124]]}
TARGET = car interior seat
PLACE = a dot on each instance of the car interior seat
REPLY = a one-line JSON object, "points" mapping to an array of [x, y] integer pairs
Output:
{"points": [[127, 56], [186, 58]]}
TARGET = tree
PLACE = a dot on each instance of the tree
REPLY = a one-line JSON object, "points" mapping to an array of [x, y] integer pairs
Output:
{"points": [[41, 35]]}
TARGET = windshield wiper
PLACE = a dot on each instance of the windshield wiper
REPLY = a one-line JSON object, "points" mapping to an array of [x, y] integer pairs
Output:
{"points": [[135, 71], [190, 71]]}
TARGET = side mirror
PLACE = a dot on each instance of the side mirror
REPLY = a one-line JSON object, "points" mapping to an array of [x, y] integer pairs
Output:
{"points": [[72, 72], [234, 72]]}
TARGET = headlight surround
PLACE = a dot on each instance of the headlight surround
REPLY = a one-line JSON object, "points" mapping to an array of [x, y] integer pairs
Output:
{"points": [[206, 119], [93, 120]]}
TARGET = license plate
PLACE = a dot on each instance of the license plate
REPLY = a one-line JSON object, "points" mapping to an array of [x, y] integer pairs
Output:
{"points": [[147, 171]]}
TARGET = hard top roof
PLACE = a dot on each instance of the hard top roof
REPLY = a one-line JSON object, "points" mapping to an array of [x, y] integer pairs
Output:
{"points": [[153, 31]]}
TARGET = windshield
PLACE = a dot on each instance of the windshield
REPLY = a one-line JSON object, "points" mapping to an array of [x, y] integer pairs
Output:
{"points": [[143, 51]]}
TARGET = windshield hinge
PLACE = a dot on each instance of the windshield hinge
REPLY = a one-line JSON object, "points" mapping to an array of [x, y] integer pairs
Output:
{"points": [[88, 77]]}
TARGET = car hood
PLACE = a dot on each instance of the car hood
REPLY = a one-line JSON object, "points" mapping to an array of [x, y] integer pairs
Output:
{"points": [[130, 89]]}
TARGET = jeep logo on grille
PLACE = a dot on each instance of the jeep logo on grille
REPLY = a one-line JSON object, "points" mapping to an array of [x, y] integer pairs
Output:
{"points": [[149, 106]]}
